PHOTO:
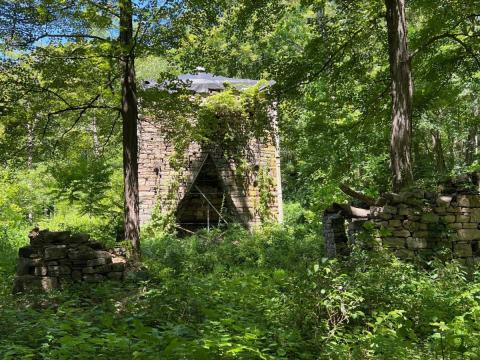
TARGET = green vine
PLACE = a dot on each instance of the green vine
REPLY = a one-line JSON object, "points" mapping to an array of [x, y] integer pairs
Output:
{"points": [[267, 198]]}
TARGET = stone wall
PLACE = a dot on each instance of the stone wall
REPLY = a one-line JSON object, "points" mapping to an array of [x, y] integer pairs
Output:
{"points": [[156, 175], [419, 223], [55, 258], [414, 223]]}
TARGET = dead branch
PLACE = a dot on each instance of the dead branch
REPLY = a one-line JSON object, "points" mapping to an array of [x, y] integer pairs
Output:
{"points": [[356, 195]]}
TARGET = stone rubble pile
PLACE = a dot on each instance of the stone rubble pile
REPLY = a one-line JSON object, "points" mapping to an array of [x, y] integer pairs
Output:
{"points": [[55, 258]]}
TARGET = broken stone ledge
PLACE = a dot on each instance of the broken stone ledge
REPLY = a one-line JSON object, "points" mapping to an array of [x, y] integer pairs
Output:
{"points": [[56, 258]]}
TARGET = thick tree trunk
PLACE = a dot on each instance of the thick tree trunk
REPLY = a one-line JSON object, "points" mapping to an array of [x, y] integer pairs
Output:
{"points": [[438, 152], [129, 117], [402, 91]]}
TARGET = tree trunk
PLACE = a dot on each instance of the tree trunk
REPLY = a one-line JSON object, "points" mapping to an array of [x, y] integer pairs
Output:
{"points": [[30, 149], [438, 152], [402, 92], [130, 138], [96, 143], [471, 147]]}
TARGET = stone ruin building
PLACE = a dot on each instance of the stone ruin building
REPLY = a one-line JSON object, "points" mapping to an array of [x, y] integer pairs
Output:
{"points": [[414, 224], [209, 192]]}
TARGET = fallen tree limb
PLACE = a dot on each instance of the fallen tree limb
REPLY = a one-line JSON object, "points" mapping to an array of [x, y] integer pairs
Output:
{"points": [[348, 210], [356, 195]]}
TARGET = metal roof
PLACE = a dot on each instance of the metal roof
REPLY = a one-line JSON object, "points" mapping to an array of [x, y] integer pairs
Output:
{"points": [[203, 82]]}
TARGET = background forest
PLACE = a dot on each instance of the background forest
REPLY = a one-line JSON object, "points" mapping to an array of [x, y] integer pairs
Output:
{"points": [[67, 81]]}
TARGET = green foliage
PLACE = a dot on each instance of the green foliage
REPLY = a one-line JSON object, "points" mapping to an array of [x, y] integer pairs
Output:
{"points": [[266, 295], [228, 120], [89, 181]]}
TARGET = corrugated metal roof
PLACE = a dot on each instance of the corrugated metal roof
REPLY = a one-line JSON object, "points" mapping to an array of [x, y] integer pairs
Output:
{"points": [[203, 82]]}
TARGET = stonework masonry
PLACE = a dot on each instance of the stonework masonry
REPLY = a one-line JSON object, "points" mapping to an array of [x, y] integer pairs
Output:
{"points": [[163, 187], [54, 259], [414, 224]]}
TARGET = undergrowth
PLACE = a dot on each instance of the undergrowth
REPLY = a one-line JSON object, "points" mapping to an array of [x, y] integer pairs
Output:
{"points": [[267, 295]]}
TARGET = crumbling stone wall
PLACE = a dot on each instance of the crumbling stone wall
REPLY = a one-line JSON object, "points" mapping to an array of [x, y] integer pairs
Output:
{"points": [[414, 223], [55, 258], [418, 223]]}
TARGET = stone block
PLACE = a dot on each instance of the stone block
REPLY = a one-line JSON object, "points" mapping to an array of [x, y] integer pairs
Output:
{"points": [[103, 254], [468, 200], [41, 271], [463, 218], [88, 270], [55, 252], [383, 224], [79, 262], [27, 251], [82, 253], [115, 275], [99, 261], [421, 234], [395, 223], [468, 234], [25, 266], [387, 209], [455, 226], [470, 225], [102, 269], [449, 219], [430, 218], [384, 216], [29, 283], [475, 215], [393, 242], [401, 233], [58, 270], [444, 200], [462, 249], [416, 243]]}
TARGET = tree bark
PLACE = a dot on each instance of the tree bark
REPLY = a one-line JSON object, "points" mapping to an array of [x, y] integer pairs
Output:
{"points": [[438, 152], [471, 147], [130, 137], [30, 150], [402, 93], [96, 143]]}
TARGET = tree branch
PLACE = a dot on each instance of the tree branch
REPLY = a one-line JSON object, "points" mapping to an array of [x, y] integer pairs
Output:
{"points": [[85, 36], [111, 132], [356, 195], [81, 108], [454, 37]]}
